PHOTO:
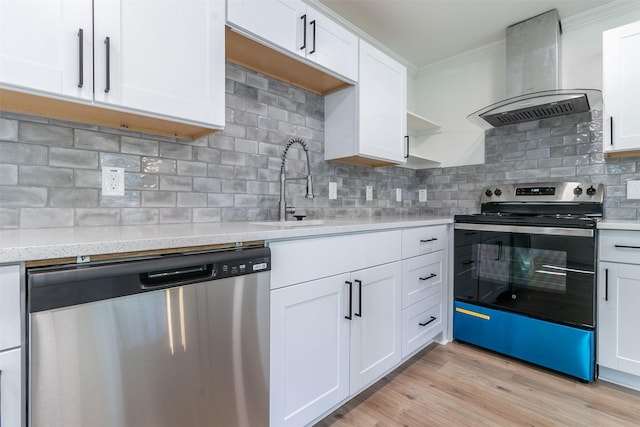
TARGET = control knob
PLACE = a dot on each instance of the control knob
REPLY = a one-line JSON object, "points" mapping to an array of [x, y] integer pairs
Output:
{"points": [[591, 191], [578, 191], [488, 193], [497, 192]]}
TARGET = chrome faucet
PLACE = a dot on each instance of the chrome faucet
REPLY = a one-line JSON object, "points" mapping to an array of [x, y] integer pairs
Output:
{"points": [[284, 210]]}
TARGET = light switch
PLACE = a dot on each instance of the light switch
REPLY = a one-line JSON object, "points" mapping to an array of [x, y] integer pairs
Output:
{"points": [[422, 195], [398, 195], [369, 193]]}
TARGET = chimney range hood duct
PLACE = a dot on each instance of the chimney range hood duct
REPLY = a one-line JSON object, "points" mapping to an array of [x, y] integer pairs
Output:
{"points": [[533, 77]]}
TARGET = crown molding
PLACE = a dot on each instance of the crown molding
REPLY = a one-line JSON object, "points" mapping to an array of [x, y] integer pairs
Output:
{"points": [[616, 9], [473, 55]]}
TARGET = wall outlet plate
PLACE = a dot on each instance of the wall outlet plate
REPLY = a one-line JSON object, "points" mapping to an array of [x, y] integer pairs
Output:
{"points": [[422, 195], [369, 193], [112, 181], [633, 189], [398, 195], [333, 190]]}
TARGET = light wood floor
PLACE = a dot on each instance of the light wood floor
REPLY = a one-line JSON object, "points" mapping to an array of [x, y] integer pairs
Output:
{"points": [[461, 385]]}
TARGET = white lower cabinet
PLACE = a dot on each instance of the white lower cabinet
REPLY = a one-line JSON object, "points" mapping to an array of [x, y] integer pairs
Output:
{"points": [[618, 301], [11, 404], [309, 349], [330, 338], [376, 323], [10, 388], [619, 317]]}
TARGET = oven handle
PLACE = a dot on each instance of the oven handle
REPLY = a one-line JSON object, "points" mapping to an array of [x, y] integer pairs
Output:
{"points": [[552, 231]]}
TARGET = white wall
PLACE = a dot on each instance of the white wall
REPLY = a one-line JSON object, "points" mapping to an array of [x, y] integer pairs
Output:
{"points": [[448, 91]]}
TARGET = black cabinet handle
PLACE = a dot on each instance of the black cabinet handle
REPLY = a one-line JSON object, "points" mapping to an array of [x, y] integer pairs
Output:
{"points": [[107, 42], [304, 32], [627, 246], [406, 138], [499, 251], [467, 262], [313, 49], [611, 128], [80, 57], [606, 284], [431, 276], [359, 313], [350, 299], [428, 321], [433, 239]]}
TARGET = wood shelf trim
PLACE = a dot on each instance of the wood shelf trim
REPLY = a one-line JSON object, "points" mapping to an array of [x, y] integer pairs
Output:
{"points": [[251, 54], [85, 112]]}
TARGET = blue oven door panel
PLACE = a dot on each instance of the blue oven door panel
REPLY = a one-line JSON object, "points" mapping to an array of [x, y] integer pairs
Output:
{"points": [[558, 347]]}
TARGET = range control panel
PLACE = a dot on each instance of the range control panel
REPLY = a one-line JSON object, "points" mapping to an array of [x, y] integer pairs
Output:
{"points": [[559, 192]]}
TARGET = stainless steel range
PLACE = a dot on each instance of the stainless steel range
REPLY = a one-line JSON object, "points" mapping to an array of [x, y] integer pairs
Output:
{"points": [[525, 274]]}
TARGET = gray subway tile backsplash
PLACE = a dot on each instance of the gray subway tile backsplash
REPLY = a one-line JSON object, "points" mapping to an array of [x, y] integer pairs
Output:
{"points": [[50, 169]]}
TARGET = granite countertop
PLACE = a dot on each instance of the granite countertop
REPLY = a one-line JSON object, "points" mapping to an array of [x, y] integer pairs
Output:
{"points": [[619, 224], [52, 243]]}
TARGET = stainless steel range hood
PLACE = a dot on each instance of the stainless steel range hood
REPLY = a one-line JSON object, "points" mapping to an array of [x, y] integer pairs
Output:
{"points": [[533, 77]]}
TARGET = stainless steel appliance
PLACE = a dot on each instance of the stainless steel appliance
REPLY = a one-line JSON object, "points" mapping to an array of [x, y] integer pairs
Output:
{"points": [[179, 340], [525, 274]]}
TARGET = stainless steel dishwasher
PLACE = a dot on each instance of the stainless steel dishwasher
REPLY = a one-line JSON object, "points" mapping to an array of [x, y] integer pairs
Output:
{"points": [[180, 340]]}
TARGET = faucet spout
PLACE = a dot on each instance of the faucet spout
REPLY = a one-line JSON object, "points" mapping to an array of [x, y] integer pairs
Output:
{"points": [[283, 210]]}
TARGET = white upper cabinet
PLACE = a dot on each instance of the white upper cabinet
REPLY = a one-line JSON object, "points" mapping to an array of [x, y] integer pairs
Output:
{"points": [[47, 46], [367, 124], [161, 57], [295, 28], [155, 60], [621, 88]]}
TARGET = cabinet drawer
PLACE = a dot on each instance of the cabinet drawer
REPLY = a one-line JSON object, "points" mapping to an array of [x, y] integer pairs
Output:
{"points": [[422, 277], [9, 306], [297, 261], [421, 323], [620, 246], [423, 240], [10, 388]]}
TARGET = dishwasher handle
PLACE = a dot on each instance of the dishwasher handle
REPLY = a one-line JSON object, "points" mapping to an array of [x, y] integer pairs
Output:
{"points": [[164, 278]]}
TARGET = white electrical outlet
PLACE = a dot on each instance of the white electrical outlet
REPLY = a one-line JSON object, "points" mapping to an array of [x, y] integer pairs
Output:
{"points": [[369, 193], [333, 190], [422, 195], [398, 195], [112, 181], [633, 189]]}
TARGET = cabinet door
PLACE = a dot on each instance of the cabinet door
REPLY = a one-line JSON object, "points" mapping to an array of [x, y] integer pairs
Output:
{"points": [[47, 46], [332, 46], [382, 88], [10, 388], [621, 88], [10, 316], [376, 324], [279, 22], [618, 317], [309, 350], [164, 57]]}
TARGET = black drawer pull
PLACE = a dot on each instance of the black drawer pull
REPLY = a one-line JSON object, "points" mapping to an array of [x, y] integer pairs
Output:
{"points": [[467, 262], [431, 276], [107, 42], [606, 284], [80, 57], [428, 321], [433, 239], [627, 247], [359, 313]]}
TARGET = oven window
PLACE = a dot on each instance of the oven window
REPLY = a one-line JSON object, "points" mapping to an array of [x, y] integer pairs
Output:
{"points": [[548, 277]]}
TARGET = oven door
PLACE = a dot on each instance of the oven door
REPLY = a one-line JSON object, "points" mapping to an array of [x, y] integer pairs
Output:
{"points": [[543, 272]]}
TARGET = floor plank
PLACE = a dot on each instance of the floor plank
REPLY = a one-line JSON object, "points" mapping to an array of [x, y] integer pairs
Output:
{"points": [[462, 385]]}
